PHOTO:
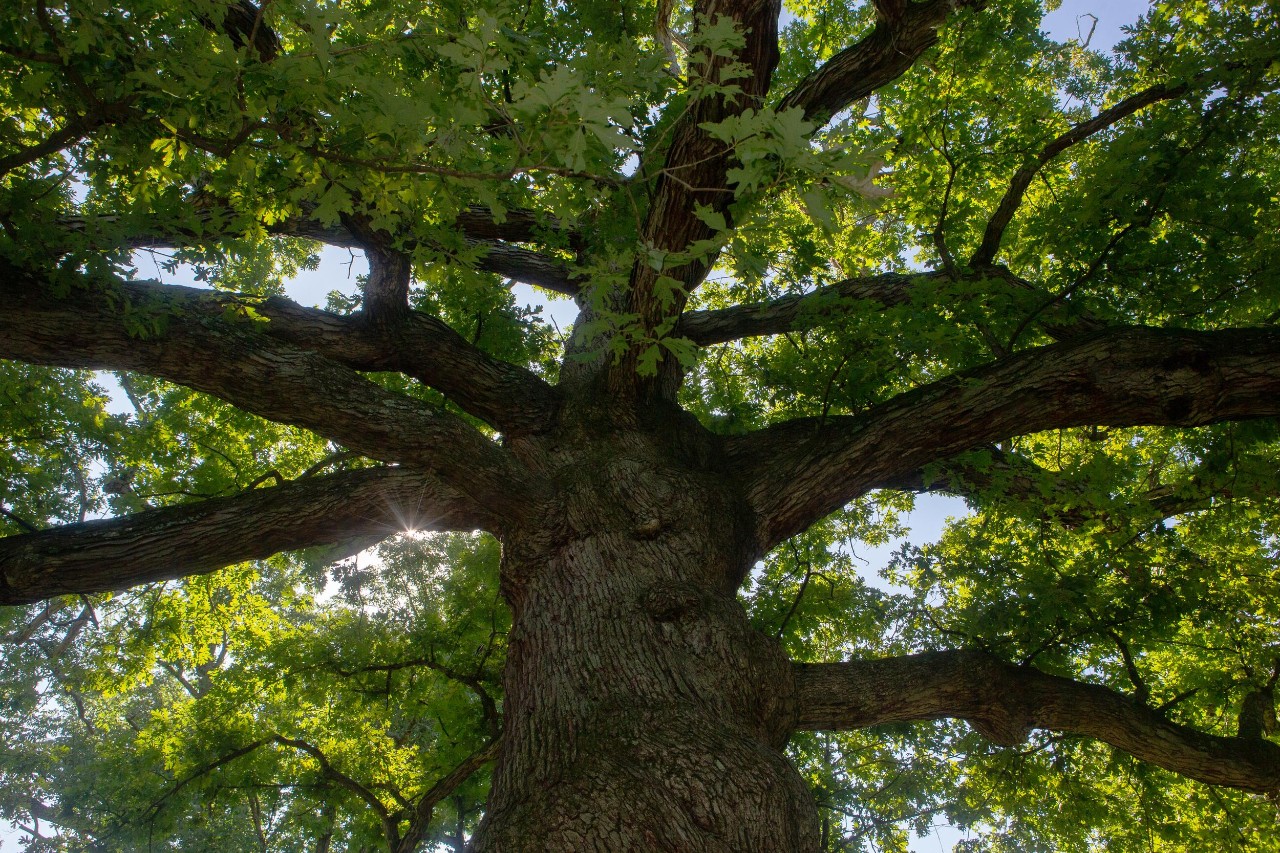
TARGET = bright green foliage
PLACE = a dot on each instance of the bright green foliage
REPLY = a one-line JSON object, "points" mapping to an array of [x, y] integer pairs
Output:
{"points": [[170, 717], [194, 704]]}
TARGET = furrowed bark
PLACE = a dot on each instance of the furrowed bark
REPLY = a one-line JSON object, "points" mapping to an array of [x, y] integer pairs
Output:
{"points": [[197, 538], [97, 327], [696, 163], [1006, 702], [641, 711], [904, 31], [802, 470]]}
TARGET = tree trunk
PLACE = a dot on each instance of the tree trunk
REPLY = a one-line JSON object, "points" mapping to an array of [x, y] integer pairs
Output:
{"points": [[642, 712]]}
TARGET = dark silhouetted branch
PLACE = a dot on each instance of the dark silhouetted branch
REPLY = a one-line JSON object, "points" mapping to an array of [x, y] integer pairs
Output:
{"points": [[1005, 703]]}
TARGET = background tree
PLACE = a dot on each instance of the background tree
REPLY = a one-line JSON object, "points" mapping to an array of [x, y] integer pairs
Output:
{"points": [[883, 249]]}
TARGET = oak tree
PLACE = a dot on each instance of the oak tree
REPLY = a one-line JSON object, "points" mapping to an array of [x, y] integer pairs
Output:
{"points": [[823, 260]]}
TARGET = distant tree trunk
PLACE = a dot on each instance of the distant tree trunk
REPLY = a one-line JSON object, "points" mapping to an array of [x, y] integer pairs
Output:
{"points": [[642, 711]]}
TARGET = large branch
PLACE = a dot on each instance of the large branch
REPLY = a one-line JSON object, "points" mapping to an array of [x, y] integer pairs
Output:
{"points": [[526, 267], [385, 290], [493, 242], [797, 472], [802, 311], [196, 538], [996, 475], [695, 164], [98, 325], [503, 394], [1007, 702], [902, 33], [799, 311], [419, 345]]}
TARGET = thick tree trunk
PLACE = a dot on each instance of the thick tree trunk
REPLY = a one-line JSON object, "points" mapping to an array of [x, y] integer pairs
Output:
{"points": [[642, 712]]}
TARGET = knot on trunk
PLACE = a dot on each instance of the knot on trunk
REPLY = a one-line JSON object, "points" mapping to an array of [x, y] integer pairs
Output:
{"points": [[667, 602], [647, 528]]}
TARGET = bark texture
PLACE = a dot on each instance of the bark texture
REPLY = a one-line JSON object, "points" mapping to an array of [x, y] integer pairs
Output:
{"points": [[1006, 702], [643, 713], [164, 544], [806, 468]]}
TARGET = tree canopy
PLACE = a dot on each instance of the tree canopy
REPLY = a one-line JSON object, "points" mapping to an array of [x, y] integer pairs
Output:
{"points": [[871, 250]]}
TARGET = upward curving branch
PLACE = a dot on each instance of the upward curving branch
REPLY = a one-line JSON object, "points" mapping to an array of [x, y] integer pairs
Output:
{"points": [[420, 821], [201, 537], [98, 325], [695, 164], [1012, 200], [797, 472], [1006, 703], [904, 31], [385, 291]]}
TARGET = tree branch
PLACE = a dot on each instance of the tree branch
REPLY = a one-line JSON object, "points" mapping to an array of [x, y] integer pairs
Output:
{"points": [[695, 164], [385, 290], [1013, 196], [517, 226], [526, 267], [802, 311], [1006, 702], [492, 240], [799, 471], [389, 823], [99, 325], [996, 473], [243, 24], [421, 346], [903, 32], [799, 311], [73, 131], [201, 537], [420, 821]]}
